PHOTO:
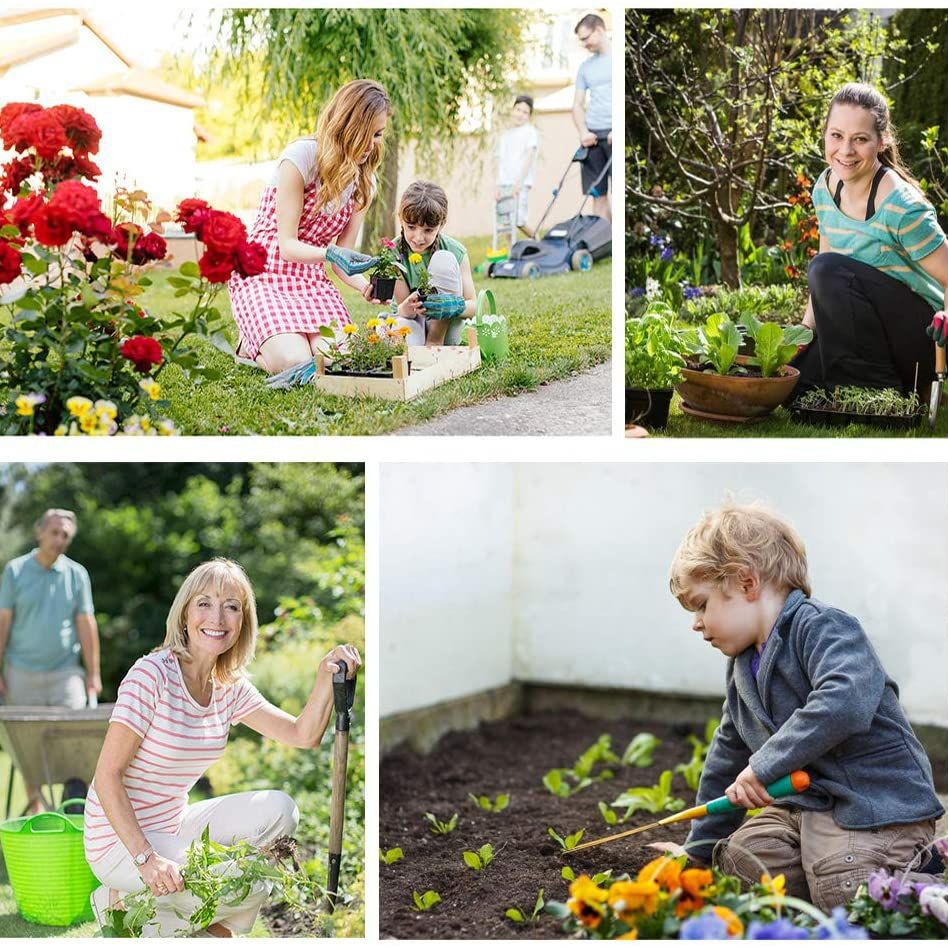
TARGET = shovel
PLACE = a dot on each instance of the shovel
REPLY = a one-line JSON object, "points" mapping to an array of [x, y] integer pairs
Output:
{"points": [[796, 782], [343, 694], [937, 385]]}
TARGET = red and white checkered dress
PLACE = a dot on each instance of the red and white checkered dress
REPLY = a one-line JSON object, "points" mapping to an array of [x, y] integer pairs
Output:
{"points": [[289, 297]]}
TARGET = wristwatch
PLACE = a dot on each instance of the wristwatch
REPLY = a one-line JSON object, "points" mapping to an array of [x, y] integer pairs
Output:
{"points": [[143, 857]]}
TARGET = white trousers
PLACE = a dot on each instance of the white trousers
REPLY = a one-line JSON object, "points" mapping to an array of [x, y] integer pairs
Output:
{"points": [[445, 273], [257, 817]]}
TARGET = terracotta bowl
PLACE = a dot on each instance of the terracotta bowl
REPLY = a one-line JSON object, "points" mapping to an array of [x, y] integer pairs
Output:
{"points": [[733, 396]]}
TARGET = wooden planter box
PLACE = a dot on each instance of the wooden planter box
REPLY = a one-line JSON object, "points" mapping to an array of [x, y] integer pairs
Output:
{"points": [[431, 366]]}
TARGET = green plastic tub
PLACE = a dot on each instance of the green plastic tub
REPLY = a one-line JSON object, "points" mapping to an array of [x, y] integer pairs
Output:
{"points": [[47, 867]]}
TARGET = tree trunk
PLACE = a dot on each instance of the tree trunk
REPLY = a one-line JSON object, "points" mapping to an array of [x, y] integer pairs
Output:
{"points": [[727, 248], [380, 217]]}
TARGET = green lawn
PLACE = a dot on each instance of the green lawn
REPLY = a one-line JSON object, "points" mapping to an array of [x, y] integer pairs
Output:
{"points": [[558, 325], [780, 425]]}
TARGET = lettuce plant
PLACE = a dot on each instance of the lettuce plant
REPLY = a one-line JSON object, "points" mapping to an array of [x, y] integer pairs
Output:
{"points": [[654, 799], [392, 855], [480, 860], [484, 802], [640, 750], [421, 903], [439, 827], [774, 346], [517, 914], [569, 842]]}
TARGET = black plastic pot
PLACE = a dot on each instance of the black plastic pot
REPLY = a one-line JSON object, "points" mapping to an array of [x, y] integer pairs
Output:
{"points": [[383, 288], [828, 418], [647, 406]]}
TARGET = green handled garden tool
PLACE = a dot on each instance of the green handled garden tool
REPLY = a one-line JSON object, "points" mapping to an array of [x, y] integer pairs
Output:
{"points": [[343, 695], [796, 782]]}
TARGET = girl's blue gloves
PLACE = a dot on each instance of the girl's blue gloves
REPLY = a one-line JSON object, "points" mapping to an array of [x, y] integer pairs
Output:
{"points": [[444, 306], [349, 261]]}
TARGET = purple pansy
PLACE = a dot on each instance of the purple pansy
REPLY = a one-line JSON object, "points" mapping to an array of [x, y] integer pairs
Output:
{"points": [[884, 889], [704, 927], [778, 930], [838, 928]]}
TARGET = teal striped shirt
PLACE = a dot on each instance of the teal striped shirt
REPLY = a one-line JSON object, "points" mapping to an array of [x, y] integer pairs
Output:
{"points": [[902, 231]]}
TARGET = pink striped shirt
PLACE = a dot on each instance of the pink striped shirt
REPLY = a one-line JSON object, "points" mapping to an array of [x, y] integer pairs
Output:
{"points": [[180, 740]]}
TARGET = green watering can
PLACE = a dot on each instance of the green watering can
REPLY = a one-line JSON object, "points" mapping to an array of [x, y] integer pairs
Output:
{"points": [[492, 335]]}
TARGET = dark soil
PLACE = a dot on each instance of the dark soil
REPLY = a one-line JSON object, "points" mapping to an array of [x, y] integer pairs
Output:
{"points": [[509, 757]]}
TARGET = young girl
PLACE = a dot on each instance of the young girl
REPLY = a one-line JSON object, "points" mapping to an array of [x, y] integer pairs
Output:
{"points": [[881, 275], [436, 321], [310, 215], [516, 159]]}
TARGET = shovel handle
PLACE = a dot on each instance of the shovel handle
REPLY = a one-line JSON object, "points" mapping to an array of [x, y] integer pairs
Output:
{"points": [[787, 786], [343, 695]]}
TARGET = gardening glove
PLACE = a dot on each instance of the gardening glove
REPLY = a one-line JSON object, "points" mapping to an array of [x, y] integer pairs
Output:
{"points": [[444, 306], [349, 261], [938, 329], [295, 375]]}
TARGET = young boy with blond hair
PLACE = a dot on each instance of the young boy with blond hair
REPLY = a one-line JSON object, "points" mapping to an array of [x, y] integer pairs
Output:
{"points": [[805, 690]]}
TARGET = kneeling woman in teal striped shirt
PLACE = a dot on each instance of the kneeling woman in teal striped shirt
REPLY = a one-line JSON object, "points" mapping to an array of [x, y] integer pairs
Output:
{"points": [[882, 271]]}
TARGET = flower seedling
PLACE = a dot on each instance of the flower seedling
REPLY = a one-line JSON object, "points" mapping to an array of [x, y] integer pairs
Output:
{"points": [[517, 914], [393, 855], [439, 827], [654, 799], [640, 750], [480, 860], [421, 903], [570, 842], [484, 802]]}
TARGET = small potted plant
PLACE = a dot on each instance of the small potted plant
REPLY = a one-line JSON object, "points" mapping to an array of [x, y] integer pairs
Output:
{"points": [[653, 364], [367, 351], [720, 385], [385, 272], [424, 288]]}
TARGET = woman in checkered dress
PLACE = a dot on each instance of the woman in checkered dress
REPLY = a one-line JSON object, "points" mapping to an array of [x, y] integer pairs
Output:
{"points": [[309, 215]]}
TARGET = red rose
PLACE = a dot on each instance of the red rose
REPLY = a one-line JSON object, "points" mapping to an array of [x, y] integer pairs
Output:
{"points": [[82, 133], [143, 351], [98, 227], [75, 202], [192, 212], [17, 171], [251, 259], [216, 268], [223, 233], [10, 113], [23, 210], [10, 262], [50, 227], [40, 131], [66, 167], [152, 247]]}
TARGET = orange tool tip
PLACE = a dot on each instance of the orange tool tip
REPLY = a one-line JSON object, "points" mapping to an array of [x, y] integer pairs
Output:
{"points": [[800, 780]]}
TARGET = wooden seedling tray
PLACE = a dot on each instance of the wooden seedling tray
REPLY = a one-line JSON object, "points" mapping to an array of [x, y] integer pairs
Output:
{"points": [[431, 366]]}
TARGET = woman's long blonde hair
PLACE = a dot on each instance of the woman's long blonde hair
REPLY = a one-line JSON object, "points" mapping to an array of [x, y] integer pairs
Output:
{"points": [[214, 575], [343, 135]]}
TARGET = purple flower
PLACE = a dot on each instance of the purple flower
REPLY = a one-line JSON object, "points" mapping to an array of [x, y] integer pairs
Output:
{"points": [[778, 930], [637, 291], [941, 847], [657, 241], [691, 292], [934, 901], [884, 889], [704, 927], [838, 928], [667, 253]]}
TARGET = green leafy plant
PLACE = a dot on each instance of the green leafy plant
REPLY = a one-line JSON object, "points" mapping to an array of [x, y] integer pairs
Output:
{"points": [[581, 773], [439, 827], [569, 842], [501, 802], [392, 855], [569, 875], [608, 815], [780, 303], [655, 799], [640, 750], [691, 770], [421, 903], [718, 342], [517, 914], [861, 401], [653, 348], [480, 860], [774, 346]]}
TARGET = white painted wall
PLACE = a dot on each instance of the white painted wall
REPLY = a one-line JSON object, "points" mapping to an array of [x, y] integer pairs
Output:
{"points": [[592, 545], [446, 595]]}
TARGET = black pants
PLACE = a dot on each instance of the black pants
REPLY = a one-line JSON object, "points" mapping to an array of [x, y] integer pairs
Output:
{"points": [[592, 167], [870, 329]]}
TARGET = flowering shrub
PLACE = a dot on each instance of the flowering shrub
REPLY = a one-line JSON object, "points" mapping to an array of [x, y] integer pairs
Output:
{"points": [[368, 350], [100, 417], [70, 274], [802, 235], [667, 900]]}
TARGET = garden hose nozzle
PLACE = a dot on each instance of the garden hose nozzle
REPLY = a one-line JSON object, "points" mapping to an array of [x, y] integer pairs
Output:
{"points": [[343, 696], [793, 783]]}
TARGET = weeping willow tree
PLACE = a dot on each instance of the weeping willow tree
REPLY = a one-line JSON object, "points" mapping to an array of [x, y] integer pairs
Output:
{"points": [[437, 66]]}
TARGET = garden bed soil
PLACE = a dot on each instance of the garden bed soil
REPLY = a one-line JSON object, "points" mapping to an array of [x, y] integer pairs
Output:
{"points": [[510, 757]]}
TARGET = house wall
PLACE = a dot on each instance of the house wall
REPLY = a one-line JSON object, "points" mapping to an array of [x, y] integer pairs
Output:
{"points": [[589, 555]]}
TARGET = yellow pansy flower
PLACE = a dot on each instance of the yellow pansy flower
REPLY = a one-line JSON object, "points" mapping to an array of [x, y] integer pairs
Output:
{"points": [[151, 388], [629, 897], [106, 409], [587, 901], [414, 258], [78, 405], [350, 330]]}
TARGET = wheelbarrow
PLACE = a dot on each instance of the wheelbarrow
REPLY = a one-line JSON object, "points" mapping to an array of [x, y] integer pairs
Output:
{"points": [[51, 745]]}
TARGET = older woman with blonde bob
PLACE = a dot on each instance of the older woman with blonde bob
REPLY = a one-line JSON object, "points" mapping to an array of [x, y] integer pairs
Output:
{"points": [[174, 710], [310, 215]]}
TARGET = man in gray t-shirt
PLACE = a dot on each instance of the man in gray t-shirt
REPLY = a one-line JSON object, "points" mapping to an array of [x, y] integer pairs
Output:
{"points": [[594, 120]]}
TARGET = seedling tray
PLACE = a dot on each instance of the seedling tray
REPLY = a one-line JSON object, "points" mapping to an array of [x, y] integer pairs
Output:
{"points": [[423, 368], [828, 418]]}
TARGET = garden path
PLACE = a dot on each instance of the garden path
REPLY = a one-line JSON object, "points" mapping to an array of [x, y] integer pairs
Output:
{"points": [[579, 405]]}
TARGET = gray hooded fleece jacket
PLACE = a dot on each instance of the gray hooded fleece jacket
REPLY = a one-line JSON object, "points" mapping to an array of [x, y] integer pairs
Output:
{"points": [[822, 703]]}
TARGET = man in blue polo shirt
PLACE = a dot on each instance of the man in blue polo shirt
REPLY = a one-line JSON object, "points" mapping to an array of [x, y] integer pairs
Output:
{"points": [[593, 121], [46, 621]]}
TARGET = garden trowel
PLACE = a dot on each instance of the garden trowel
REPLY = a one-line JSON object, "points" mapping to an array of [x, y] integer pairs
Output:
{"points": [[937, 385], [343, 695], [796, 782]]}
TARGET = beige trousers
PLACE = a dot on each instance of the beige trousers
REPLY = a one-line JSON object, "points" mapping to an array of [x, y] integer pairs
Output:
{"points": [[257, 817], [61, 688], [820, 860]]}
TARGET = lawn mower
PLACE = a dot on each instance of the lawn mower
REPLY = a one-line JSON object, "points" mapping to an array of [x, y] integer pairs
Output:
{"points": [[570, 245]]}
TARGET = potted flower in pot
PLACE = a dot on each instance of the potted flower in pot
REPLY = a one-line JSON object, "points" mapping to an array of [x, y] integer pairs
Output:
{"points": [[721, 385], [653, 364], [385, 272]]}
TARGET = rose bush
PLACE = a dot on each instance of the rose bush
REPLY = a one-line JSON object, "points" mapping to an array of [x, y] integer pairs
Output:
{"points": [[70, 272]]}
